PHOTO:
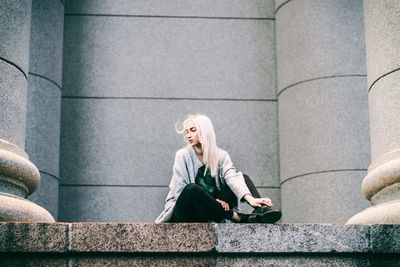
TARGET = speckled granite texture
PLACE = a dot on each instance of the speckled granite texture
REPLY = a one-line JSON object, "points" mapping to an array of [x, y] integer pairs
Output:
{"points": [[145, 237], [147, 244]]}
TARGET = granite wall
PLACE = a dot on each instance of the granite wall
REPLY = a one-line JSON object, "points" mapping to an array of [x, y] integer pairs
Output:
{"points": [[132, 70], [148, 244]]}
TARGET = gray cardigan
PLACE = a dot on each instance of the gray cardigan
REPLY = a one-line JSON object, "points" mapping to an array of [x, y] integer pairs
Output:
{"points": [[185, 170]]}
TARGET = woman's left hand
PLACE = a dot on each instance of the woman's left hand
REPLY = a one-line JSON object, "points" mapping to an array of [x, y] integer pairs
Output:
{"points": [[258, 202]]}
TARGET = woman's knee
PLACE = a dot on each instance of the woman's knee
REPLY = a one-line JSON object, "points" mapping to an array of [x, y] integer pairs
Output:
{"points": [[191, 190]]}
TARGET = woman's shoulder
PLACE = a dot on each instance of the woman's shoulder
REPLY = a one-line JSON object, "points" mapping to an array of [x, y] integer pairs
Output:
{"points": [[183, 152], [222, 153]]}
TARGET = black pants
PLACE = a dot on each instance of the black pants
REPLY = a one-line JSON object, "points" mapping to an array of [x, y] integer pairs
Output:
{"points": [[195, 205]]}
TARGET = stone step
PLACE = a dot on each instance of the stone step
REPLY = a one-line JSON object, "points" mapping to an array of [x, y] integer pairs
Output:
{"points": [[206, 244]]}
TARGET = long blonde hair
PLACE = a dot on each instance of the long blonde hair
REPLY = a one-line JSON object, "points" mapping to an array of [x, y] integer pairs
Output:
{"points": [[206, 138]]}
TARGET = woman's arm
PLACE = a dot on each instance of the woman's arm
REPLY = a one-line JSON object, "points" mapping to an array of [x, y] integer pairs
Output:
{"points": [[233, 179], [258, 202], [180, 176]]}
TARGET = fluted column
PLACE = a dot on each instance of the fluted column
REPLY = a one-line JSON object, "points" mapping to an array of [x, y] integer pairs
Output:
{"points": [[18, 176], [323, 109], [382, 184]]}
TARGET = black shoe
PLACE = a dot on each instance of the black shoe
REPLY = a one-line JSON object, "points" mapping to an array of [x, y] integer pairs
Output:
{"points": [[265, 215], [244, 218]]}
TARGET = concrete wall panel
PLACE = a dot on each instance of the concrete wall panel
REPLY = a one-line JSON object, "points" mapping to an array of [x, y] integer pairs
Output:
{"points": [[202, 8], [134, 70], [112, 145], [114, 203], [111, 203], [125, 142], [169, 57]]}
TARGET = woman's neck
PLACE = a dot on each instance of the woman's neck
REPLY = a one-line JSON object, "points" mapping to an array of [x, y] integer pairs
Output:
{"points": [[199, 152], [198, 149]]}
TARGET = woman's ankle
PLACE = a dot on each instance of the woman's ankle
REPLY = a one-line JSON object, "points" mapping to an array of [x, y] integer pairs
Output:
{"points": [[235, 217]]}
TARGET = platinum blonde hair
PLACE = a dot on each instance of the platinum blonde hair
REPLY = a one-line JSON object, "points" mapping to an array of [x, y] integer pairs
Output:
{"points": [[207, 139]]}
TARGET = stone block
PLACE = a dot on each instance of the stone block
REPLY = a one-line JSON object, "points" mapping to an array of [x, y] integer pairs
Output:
{"points": [[384, 238], [144, 238], [171, 260], [291, 260], [203, 8], [169, 58], [15, 21], [291, 238], [34, 260], [317, 38], [33, 237], [331, 197], [324, 126]]}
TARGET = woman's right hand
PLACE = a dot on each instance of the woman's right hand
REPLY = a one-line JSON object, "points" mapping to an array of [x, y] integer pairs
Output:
{"points": [[223, 204]]}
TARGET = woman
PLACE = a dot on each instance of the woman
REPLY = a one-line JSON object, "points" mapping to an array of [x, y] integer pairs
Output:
{"points": [[205, 186]]}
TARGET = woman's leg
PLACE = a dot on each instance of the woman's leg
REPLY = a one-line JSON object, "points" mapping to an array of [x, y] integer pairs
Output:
{"points": [[228, 196], [251, 186], [196, 205], [262, 214]]}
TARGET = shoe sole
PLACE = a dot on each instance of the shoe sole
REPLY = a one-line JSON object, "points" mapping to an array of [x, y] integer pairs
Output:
{"points": [[271, 216]]}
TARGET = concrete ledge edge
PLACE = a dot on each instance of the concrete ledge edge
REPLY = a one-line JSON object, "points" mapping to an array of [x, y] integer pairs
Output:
{"points": [[208, 238]]}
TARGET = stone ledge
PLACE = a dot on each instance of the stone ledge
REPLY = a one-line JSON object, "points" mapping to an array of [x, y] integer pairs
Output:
{"points": [[203, 239], [292, 238]]}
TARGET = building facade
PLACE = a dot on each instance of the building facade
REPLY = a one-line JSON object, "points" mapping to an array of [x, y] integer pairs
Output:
{"points": [[91, 92]]}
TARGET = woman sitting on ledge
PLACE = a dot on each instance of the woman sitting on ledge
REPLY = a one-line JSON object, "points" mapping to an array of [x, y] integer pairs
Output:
{"points": [[206, 187]]}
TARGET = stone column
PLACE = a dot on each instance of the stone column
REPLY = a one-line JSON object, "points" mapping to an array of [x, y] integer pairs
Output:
{"points": [[382, 184], [18, 176], [323, 109], [44, 98]]}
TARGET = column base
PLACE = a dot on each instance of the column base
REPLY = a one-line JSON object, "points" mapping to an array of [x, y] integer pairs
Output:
{"points": [[15, 209], [385, 213]]}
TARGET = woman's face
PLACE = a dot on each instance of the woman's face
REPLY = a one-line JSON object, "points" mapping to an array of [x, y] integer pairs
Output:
{"points": [[192, 133]]}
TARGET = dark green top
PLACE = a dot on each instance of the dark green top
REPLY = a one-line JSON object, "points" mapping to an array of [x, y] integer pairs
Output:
{"points": [[206, 181]]}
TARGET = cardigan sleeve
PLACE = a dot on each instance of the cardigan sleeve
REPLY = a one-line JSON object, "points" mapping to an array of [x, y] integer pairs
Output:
{"points": [[233, 179], [180, 178]]}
